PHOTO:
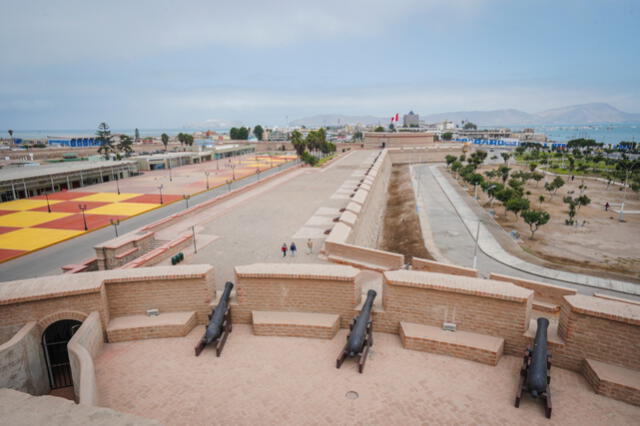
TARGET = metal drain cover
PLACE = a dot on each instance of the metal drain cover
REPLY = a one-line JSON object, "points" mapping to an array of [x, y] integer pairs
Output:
{"points": [[352, 395]]}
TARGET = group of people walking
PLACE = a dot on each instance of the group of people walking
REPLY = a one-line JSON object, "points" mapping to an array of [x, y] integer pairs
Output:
{"points": [[294, 249]]}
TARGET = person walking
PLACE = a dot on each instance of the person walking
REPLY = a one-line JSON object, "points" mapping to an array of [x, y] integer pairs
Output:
{"points": [[284, 249], [606, 206], [309, 246], [293, 248]]}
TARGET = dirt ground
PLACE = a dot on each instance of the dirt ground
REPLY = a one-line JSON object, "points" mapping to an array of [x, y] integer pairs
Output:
{"points": [[602, 243], [402, 232]]}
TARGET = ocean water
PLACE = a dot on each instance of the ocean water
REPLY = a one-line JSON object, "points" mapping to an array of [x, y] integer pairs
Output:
{"points": [[606, 133]]}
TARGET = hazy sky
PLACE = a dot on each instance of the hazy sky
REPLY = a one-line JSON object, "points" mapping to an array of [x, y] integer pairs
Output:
{"points": [[153, 63]]}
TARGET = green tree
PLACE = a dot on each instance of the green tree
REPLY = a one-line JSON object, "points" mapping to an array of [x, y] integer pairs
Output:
{"points": [[537, 176], [379, 129], [181, 138], [541, 199], [188, 139], [165, 140], [535, 219], [450, 159], [456, 166], [298, 143], [532, 167], [357, 136], [505, 156], [503, 172], [517, 205], [491, 189], [469, 126], [105, 139], [258, 131], [447, 136], [125, 145], [504, 195]]}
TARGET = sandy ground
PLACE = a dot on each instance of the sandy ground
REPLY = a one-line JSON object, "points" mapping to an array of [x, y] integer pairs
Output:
{"points": [[402, 232], [602, 243]]}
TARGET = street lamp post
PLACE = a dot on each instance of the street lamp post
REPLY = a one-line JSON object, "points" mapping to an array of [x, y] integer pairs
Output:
{"points": [[46, 196], [83, 208], [207, 175], [186, 199], [475, 248], [233, 170], [118, 184], [160, 189], [115, 223]]}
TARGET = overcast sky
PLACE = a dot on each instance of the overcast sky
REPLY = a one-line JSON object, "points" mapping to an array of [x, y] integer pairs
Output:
{"points": [[163, 64]]}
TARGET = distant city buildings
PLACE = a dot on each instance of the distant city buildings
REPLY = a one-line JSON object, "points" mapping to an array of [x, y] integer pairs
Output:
{"points": [[411, 120]]}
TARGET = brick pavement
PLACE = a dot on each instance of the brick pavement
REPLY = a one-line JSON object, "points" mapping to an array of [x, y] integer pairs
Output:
{"points": [[287, 380]]}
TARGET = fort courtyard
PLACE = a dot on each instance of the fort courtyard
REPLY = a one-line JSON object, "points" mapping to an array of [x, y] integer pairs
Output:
{"points": [[441, 341]]}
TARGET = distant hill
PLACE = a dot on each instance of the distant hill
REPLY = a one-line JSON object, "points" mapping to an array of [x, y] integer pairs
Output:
{"points": [[574, 114]]}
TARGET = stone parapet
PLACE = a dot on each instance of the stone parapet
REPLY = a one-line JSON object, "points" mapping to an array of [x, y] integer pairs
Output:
{"points": [[419, 264]]}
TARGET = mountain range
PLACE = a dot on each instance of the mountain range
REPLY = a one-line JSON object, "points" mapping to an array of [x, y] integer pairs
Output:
{"points": [[575, 114]]}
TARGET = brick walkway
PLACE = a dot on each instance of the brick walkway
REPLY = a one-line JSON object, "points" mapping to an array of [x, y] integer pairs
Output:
{"points": [[285, 380]]}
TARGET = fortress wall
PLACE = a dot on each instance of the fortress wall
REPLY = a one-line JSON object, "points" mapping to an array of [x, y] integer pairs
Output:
{"points": [[599, 329], [110, 293], [368, 227], [473, 304], [169, 294], [418, 264], [330, 289], [83, 347], [22, 364], [431, 154], [543, 291]]}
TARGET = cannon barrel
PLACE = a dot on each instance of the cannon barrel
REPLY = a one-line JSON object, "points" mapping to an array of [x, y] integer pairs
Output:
{"points": [[214, 328], [537, 374], [359, 331]]}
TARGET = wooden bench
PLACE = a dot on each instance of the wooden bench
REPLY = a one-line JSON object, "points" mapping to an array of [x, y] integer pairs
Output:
{"points": [[138, 327], [613, 381], [460, 344], [295, 324]]}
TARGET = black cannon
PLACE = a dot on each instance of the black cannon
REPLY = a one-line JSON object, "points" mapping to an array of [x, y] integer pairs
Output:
{"points": [[219, 325], [535, 375], [360, 337]]}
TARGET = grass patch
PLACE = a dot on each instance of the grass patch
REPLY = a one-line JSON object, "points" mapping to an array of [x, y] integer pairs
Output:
{"points": [[324, 160]]}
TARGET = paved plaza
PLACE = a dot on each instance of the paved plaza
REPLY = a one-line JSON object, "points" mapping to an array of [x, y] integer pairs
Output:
{"points": [[31, 224], [289, 380]]}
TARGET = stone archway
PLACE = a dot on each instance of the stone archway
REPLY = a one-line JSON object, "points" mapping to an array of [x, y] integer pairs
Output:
{"points": [[46, 321], [54, 344]]}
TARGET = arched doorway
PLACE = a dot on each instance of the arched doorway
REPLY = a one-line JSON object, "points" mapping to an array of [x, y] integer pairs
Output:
{"points": [[54, 342]]}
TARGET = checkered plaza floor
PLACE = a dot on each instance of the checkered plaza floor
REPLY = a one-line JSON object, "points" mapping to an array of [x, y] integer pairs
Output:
{"points": [[34, 223], [30, 224]]}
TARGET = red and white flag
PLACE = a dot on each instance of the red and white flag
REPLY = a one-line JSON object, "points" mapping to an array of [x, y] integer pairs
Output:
{"points": [[395, 118]]}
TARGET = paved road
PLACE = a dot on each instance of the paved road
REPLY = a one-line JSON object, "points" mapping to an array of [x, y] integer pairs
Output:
{"points": [[49, 260], [454, 240]]}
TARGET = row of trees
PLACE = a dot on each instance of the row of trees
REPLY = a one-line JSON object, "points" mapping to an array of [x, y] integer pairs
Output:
{"points": [[498, 184], [308, 148], [243, 133]]}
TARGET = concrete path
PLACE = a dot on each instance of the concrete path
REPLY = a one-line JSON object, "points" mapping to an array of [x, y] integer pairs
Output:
{"points": [[454, 224]]}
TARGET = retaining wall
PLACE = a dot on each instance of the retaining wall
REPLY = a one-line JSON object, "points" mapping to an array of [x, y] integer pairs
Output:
{"points": [[83, 347], [22, 364]]}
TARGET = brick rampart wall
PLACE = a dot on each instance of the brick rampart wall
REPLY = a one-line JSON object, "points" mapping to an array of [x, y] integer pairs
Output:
{"points": [[543, 291], [418, 264], [431, 299], [330, 289], [433, 154], [177, 294], [598, 333]]}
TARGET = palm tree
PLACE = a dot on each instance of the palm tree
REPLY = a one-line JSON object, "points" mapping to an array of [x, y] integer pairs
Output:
{"points": [[165, 140], [11, 134]]}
